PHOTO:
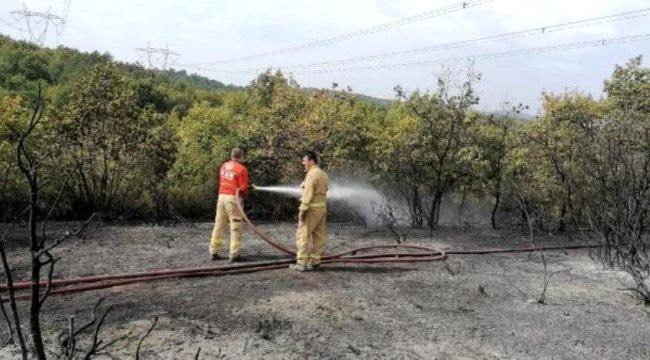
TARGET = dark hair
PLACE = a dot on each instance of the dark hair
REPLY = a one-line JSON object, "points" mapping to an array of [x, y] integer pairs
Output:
{"points": [[236, 153], [310, 155]]}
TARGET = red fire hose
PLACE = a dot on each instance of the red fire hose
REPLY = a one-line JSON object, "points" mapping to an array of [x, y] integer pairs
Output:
{"points": [[63, 286]]}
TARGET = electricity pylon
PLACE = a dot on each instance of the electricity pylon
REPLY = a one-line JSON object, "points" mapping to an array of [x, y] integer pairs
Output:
{"points": [[157, 58]]}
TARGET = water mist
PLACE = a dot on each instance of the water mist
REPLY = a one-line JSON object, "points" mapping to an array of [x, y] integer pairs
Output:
{"points": [[364, 199]]}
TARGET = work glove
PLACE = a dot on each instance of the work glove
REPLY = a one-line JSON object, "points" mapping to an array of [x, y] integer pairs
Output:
{"points": [[253, 186]]}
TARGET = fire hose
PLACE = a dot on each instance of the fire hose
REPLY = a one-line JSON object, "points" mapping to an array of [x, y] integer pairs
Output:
{"points": [[425, 253]]}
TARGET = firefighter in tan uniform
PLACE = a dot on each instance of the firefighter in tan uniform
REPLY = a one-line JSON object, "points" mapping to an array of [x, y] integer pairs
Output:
{"points": [[311, 218], [233, 176]]}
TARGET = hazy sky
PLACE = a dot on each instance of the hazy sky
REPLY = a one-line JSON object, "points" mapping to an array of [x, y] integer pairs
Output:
{"points": [[208, 31]]}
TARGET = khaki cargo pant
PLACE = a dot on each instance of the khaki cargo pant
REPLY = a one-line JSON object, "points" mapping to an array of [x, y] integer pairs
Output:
{"points": [[313, 227], [227, 213]]}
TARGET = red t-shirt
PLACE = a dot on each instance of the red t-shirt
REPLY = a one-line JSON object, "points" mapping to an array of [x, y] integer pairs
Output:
{"points": [[233, 176]]}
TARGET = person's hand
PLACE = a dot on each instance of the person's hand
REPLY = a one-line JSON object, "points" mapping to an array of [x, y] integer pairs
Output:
{"points": [[254, 187], [302, 215]]}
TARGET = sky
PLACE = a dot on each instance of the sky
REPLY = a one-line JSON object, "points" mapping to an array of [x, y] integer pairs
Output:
{"points": [[207, 33]]}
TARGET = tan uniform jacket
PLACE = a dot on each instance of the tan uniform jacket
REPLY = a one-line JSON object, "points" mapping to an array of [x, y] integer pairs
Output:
{"points": [[314, 189]]}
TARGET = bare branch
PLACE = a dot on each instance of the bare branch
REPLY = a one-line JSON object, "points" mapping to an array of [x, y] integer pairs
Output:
{"points": [[43, 185], [92, 321], [71, 345], [137, 351], [53, 206], [5, 177], [541, 299], [51, 261], [7, 320], [2, 303], [67, 235], [95, 342], [68, 343], [12, 294], [110, 343], [20, 149]]}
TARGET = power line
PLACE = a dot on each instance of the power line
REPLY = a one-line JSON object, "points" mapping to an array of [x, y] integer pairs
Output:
{"points": [[6, 23], [359, 33], [489, 39], [493, 55], [475, 57]]}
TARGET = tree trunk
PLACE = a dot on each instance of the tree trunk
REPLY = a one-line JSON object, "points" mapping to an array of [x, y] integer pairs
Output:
{"points": [[562, 225], [497, 199], [434, 215], [12, 302], [461, 207], [35, 305]]}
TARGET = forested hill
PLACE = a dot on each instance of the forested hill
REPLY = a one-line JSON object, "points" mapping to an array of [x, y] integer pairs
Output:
{"points": [[22, 63], [195, 80]]}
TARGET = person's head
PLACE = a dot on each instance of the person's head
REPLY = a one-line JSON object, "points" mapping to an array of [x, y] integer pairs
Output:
{"points": [[309, 159], [237, 154]]}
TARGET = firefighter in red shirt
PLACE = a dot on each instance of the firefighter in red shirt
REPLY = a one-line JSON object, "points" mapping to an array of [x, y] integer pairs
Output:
{"points": [[233, 176]]}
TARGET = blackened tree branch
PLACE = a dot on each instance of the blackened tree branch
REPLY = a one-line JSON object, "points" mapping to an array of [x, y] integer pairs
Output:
{"points": [[12, 295], [67, 235], [137, 351], [95, 341], [55, 203], [48, 287]]}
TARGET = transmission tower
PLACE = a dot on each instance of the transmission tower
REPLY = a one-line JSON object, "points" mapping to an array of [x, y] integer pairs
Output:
{"points": [[157, 58], [38, 23]]}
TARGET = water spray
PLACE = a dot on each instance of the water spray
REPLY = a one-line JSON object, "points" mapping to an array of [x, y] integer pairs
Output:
{"points": [[286, 190], [364, 199]]}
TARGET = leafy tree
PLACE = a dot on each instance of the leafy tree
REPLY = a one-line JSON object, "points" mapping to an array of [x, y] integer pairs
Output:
{"points": [[268, 116], [615, 188], [104, 127], [491, 142], [560, 137], [154, 159], [428, 162], [22, 66], [204, 139], [337, 126], [10, 184]]}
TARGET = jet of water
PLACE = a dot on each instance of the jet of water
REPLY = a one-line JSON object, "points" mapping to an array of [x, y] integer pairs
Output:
{"points": [[362, 198], [286, 190]]}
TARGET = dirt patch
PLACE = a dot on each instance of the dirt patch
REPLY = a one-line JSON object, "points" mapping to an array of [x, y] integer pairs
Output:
{"points": [[475, 307]]}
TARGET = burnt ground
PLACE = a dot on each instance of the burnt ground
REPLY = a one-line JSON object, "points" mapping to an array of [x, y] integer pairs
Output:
{"points": [[476, 307]]}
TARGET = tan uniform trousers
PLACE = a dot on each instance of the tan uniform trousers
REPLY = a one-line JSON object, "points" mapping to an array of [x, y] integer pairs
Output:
{"points": [[313, 227], [227, 212]]}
